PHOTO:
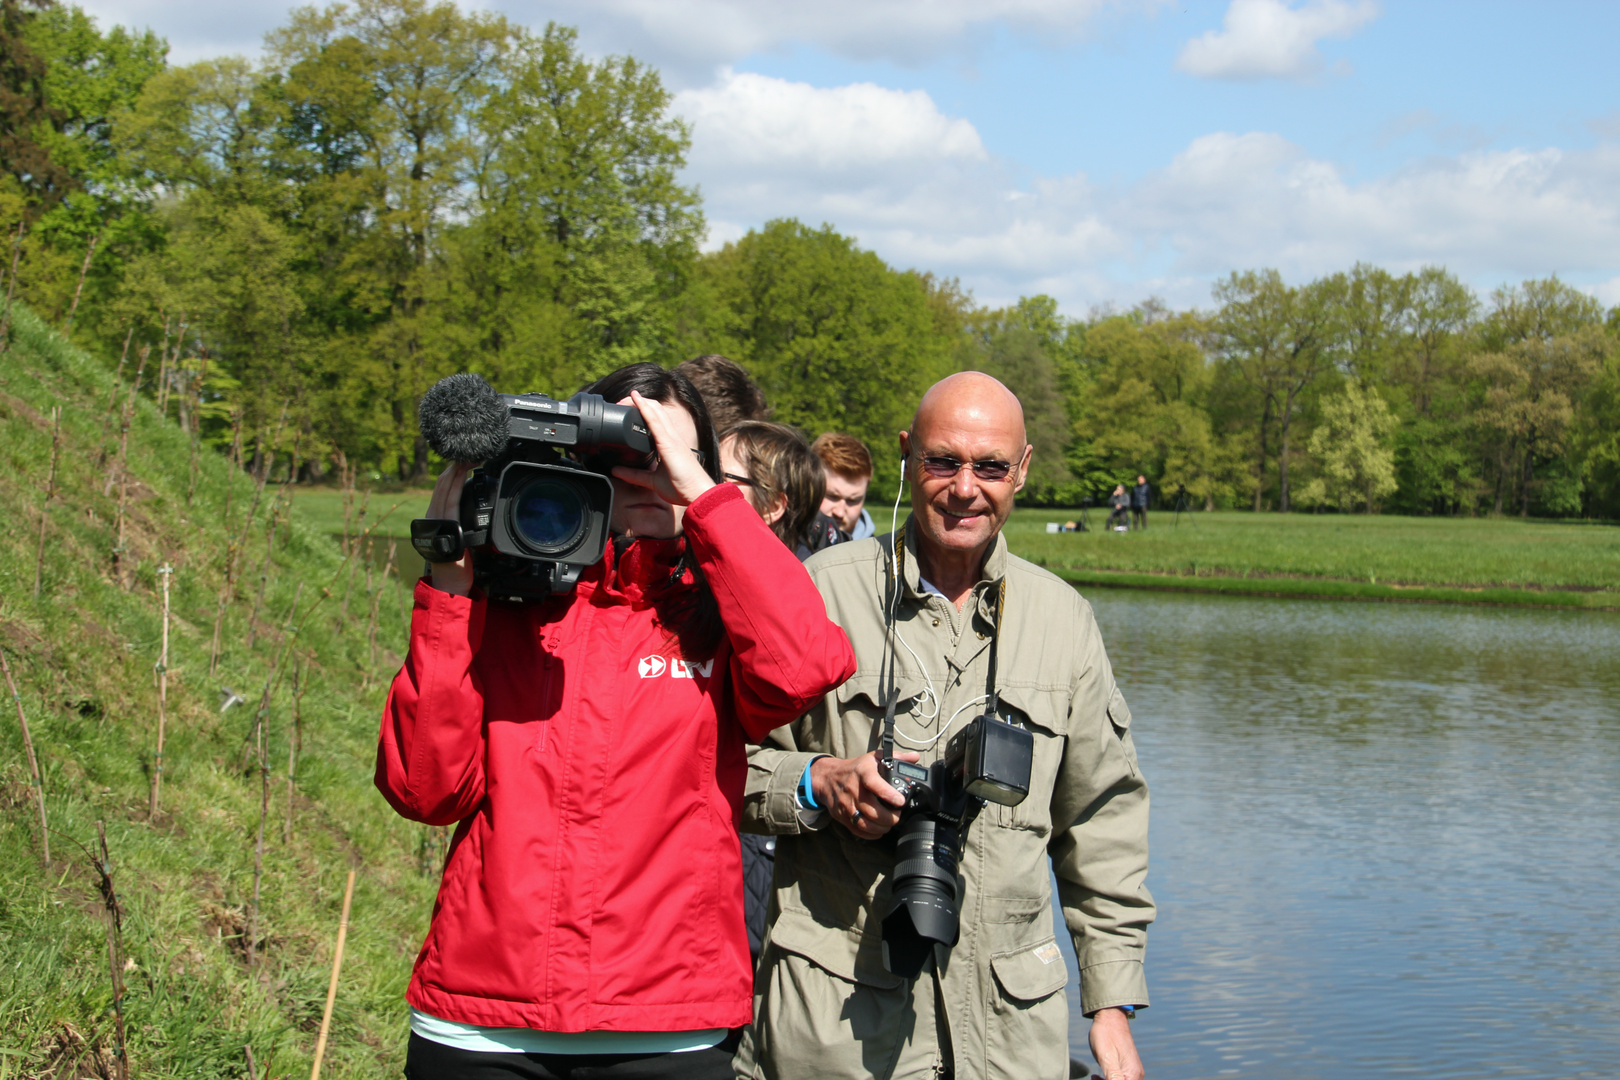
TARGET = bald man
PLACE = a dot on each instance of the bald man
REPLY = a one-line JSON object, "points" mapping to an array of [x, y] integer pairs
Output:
{"points": [[826, 1003]]}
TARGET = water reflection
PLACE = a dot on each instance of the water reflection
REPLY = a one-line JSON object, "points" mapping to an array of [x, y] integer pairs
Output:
{"points": [[1385, 838]]}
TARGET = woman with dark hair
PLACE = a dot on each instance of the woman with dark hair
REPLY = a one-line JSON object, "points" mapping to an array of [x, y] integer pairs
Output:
{"points": [[589, 749]]}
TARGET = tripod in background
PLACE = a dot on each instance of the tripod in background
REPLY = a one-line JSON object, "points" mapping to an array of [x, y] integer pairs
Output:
{"points": [[1181, 506]]}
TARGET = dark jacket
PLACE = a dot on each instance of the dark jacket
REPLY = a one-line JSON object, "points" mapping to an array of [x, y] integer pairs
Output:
{"points": [[1139, 495]]}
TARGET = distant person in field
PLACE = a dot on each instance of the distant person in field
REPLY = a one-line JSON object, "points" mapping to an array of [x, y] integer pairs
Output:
{"points": [[1119, 514], [730, 395], [1139, 502], [849, 474]]}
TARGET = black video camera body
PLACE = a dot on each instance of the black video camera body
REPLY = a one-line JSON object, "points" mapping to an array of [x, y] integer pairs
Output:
{"points": [[988, 761], [534, 518]]}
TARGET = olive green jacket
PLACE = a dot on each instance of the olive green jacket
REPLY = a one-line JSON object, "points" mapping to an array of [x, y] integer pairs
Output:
{"points": [[1087, 810]]}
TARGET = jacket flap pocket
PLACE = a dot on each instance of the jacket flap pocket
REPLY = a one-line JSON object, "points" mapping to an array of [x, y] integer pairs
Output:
{"points": [[838, 951], [1042, 709], [1033, 972], [1118, 711], [870, 686]]}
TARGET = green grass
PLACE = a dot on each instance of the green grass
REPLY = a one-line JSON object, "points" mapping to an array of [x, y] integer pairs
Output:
{"points": [[1478, 560], [83, 655]]}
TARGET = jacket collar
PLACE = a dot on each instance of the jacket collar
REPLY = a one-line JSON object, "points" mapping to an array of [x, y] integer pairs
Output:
{"points": [[641, 571], [995, 568]]}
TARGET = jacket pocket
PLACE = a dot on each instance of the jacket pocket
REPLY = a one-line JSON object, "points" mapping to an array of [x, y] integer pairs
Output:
{"points": [[1119, 715], [1028, 1030], [834, 950]]}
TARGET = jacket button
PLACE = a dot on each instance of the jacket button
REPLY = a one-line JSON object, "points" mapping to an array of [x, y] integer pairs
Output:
{"points": [[936, 622]]}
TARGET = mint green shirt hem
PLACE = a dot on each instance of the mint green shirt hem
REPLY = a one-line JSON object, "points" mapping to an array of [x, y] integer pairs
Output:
{"points": [[513, 1040]]}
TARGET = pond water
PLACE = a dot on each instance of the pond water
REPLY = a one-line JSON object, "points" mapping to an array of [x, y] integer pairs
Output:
{"points": [[1385, 838]]}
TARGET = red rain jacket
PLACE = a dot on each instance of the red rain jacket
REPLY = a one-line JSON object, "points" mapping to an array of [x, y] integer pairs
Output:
{"points": [[594, 881]]}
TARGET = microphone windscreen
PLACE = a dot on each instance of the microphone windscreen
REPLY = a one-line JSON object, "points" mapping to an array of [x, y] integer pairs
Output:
{"points": [[464, 419]]}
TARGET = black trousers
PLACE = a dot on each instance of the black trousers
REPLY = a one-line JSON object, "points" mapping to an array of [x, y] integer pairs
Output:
{"points": [[1139, 517], [428, 1060]]}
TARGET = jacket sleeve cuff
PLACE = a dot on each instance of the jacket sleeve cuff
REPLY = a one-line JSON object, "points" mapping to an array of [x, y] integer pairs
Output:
{"points": [[1113, 983], [782, 813]]}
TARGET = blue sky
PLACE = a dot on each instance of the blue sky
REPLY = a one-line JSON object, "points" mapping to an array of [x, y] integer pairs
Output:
{"points": [[1106, 150]]}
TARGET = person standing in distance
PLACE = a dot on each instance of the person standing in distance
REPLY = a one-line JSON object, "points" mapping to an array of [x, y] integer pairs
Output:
{"points": [[849, 474], [825, 1005], [1139, 502]]}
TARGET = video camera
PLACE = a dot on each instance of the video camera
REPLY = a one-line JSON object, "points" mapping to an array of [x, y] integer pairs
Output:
{"points": [[989, 761], [534, 518]]}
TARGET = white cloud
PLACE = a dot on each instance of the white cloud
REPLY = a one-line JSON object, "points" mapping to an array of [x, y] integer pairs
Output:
{"points": [[916, 185], [761, 123], [1607, 292], [1270, 39], [689, 39]]}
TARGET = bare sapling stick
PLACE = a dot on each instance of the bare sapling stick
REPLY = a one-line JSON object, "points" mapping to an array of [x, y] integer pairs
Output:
{"points": [[79, 289], [331, 987], [371, 625], [50, 493], [252, 1069], [262, 745], [264, 579], [112, 401], [295, 743], [230, 552], [354, 549], [346, 478], [126, 417], [196, 426], [120, 563], [11, 289], [393, 568], [115, 948], [33, 762], [164, 574]]}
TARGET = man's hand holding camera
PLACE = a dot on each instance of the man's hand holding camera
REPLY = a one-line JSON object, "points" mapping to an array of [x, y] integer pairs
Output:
{"points": [[855, 793]]}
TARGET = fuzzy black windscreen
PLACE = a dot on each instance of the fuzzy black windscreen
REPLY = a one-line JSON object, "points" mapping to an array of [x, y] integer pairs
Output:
{"points": [[464, 419]]}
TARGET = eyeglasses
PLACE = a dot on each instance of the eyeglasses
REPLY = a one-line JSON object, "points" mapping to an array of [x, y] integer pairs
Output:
{"points": [[742, 481], [651, 462], [945, 467]]}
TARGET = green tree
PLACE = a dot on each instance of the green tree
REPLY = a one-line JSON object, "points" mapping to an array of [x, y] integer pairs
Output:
{"points": [[1277, 341], [838, 340], [1350, 447], [26, 116]]}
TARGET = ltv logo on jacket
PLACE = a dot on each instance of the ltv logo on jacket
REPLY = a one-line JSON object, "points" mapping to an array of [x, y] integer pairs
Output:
{"points": [[650, 667]]}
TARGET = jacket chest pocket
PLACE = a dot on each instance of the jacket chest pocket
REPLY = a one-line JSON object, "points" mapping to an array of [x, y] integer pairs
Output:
{"points": [[1034, 813]]}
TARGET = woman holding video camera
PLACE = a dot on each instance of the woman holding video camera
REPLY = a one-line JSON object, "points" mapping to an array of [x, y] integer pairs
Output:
{"points": [[590, 749]]}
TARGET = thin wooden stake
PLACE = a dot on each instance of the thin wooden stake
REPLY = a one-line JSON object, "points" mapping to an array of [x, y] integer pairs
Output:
{"points": [[294, 744], [83, 270], [50, 493], [252, 1069], [115, 947], [33, 762], [226, 587], [196, 426], [331, 987], [262, 744], [165, 573], [112, 400]]}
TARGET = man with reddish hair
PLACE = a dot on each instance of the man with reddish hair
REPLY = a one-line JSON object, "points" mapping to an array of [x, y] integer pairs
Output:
{"points": [[849, 473]]}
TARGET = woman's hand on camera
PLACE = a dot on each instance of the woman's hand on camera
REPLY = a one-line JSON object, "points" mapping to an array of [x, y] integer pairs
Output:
{"points": [[681, 479], [856, 795], [451, 577]]}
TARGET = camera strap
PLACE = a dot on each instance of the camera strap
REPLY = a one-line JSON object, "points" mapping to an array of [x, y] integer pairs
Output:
{"points": [[887, 678]]}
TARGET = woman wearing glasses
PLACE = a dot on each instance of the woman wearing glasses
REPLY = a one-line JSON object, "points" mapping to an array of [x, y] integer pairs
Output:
{"points": [[590, 750]]}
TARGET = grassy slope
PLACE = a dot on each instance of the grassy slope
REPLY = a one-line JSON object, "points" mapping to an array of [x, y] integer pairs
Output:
{"points": [[1497, 560], [84, 656]]}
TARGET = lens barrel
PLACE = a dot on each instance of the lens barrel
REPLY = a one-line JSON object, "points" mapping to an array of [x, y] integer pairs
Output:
{"points": [[924, 889], [548, 514]]}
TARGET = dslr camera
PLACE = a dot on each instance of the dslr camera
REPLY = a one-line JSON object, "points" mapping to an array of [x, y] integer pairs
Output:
{"points": [[986, 762], [533, 516]]}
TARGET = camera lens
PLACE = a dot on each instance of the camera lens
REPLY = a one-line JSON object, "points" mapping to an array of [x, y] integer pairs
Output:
{"points": [[923, 912], [548, 515]]}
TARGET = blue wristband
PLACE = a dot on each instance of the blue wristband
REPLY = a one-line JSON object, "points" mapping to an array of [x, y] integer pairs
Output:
{"points": [[807, 794]]}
